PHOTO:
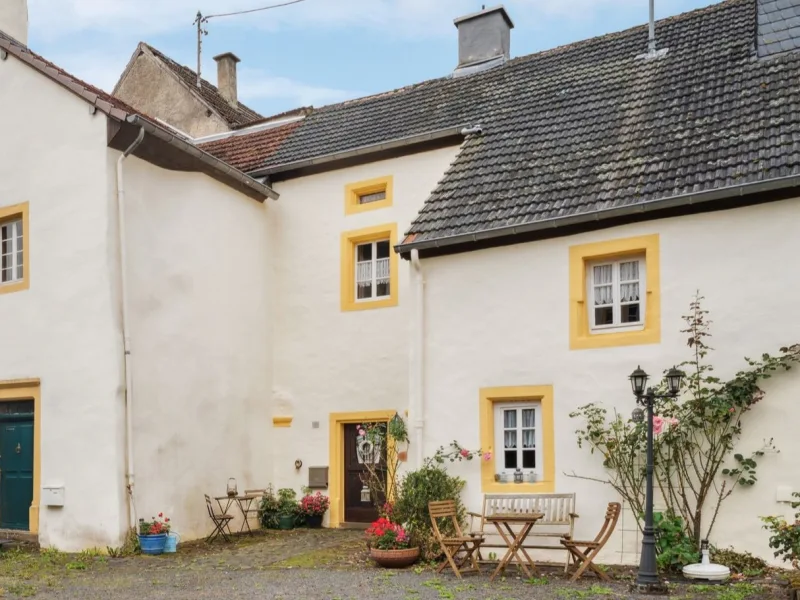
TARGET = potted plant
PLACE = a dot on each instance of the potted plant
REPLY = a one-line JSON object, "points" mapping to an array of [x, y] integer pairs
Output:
{"points": [[389, 545], [287, 508], [153, 534], [313, 507]]}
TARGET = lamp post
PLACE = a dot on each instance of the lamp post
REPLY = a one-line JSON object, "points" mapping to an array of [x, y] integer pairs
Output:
{"points": [[647, 581]]}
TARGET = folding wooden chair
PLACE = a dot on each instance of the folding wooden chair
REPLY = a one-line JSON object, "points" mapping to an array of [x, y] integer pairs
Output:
{"points": [[255, 506], [221, 522], [467, 545], [584, 553]]}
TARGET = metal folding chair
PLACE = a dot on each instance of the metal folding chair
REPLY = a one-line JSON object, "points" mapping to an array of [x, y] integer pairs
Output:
{"points": [[221, 522]]}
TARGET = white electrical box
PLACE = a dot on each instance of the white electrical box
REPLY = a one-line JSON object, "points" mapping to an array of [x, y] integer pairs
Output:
{"points": [[53, 496]]}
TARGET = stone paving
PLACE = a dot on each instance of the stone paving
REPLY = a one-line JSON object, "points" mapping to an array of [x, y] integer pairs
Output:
{"points": [[312, 564]]}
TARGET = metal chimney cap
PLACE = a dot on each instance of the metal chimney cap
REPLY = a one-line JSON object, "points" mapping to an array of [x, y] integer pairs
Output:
{"points": [[499, 8], [230, 55]]}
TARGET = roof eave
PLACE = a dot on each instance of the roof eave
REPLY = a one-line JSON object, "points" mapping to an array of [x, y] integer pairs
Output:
{"points": [[221, 167], [692, 198], [361, 151]]}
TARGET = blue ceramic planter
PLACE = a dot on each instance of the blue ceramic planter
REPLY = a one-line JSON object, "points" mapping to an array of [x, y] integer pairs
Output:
{"points": [[152, 544]]}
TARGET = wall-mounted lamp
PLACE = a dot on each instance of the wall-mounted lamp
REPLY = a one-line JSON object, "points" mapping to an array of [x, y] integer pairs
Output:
{"points": [[298, 463]]}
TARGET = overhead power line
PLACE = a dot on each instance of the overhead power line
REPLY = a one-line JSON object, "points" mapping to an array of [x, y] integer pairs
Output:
{"points": [[202, 19]]}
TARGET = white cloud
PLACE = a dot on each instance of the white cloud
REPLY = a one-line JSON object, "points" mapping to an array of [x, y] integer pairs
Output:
{"points": [[406, 18], [256, 85]]}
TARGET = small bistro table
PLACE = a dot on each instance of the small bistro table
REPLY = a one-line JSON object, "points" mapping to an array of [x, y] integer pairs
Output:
{"points": [[515, 540], [244, 502]]}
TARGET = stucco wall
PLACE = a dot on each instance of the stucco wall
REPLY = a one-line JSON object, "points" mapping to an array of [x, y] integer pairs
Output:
{"points": [[327, 360], [201, 313], [500, 317], [150, 88], [64, 330]]}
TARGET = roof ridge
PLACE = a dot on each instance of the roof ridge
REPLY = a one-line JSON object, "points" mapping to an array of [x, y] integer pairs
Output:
{"points": [[207, 92]]}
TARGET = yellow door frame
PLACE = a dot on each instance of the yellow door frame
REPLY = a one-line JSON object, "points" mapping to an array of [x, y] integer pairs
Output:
{"points": [[336, 477], [29, 389]]}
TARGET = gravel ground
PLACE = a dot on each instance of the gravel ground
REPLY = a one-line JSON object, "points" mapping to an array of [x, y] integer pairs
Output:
{"points": [[304, 564]]}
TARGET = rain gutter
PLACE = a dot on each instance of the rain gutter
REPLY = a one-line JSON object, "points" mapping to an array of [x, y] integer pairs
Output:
{"points": [[689, 199], [204, 157]]}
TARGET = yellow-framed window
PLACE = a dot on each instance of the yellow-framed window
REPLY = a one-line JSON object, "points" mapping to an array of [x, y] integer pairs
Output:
{"points": [[369, 269], [368, 195], [14, 248], [517, 429], [615, 293]]}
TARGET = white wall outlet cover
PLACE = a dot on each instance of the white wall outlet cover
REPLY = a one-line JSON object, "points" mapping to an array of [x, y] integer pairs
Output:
{"points": [[784, 493]]}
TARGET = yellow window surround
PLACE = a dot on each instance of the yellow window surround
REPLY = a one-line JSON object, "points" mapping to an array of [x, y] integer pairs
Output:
{"points": [[350, 239], [580, 335], [281, 421], [29, 389], [526, 393], [9, 213], [354, 191], [336, 456]]}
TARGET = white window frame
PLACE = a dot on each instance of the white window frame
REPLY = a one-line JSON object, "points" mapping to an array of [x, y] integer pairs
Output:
{"points": [[374, 269], [615, 291], [499, 437], [17, 267]]}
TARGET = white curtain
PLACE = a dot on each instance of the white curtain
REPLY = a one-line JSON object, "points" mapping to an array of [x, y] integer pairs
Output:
{"points": [[382, 271], [629, 272], [364, 273], [603, 291]]}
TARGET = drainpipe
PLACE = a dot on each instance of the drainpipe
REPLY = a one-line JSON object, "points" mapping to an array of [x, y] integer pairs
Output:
{"points": [[416, 383], [126, 340]]}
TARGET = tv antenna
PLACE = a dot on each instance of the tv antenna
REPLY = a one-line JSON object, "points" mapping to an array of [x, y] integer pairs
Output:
{"points": [[201, 20]]}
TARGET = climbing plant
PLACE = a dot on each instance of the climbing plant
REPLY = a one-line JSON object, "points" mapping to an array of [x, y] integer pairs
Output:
{"points": [[697, 466]]}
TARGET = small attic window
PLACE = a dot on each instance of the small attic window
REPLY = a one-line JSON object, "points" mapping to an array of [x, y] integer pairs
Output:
{"points": [[368, 195]]}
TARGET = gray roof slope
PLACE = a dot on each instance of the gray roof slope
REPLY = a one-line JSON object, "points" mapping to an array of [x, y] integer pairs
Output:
{"points": [[778, 26], [588, 127], [591, 128]]}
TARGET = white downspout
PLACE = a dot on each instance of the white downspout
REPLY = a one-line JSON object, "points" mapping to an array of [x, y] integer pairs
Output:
{"points": [[416, 383], [126, 340]]}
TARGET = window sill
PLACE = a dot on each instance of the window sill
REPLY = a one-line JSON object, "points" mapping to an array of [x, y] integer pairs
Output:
{"points": [[385, 303], [540, 487], [619, 338], [17, 286]]}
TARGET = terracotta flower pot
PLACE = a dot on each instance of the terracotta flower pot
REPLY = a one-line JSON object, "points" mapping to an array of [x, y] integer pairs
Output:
{"points": [[394, 559]]}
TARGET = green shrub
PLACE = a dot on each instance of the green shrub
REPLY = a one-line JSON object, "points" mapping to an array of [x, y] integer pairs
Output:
{"points": [[269, 509], [415, 490], [739, 562], [675, 549], [785, 538]]}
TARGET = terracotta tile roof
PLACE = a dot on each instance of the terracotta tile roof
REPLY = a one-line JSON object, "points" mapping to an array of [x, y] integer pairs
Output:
{"points": [[248, 151], [104, 102], [235, 117]]}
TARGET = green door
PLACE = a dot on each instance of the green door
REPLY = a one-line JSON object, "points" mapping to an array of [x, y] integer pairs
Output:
{"points": [[16, 470]]}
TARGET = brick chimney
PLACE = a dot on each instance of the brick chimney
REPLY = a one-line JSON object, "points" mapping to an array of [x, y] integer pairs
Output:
{"points": [[484, 37], [226, 77]]}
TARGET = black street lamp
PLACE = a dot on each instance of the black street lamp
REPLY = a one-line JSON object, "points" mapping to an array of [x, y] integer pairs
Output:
{"points": [[647, 581]]}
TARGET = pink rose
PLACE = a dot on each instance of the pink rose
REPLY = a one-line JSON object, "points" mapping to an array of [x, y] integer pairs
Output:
{"points": [[361, 432], [732, 410], [673, 422], [464, 452], [658, 425], [487, 456]]}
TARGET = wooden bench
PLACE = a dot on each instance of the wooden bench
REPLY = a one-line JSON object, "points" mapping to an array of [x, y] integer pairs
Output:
{"points": [[559, 521]]}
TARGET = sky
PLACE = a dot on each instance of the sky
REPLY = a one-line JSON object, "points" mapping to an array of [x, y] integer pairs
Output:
{"points": [[314, 52]]}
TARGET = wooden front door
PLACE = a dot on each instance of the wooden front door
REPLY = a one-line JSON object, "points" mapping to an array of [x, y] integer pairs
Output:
{"points": [[16, 467], [357, 510]]}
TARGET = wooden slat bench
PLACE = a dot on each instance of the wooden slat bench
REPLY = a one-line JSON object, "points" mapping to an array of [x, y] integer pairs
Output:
{"points": [[559, 520]]}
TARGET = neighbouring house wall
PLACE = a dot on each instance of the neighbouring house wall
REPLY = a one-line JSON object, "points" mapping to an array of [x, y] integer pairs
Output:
{"points": [[500, 317], [151, 88], [201, 330], [327, 360], [65, 329]]}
